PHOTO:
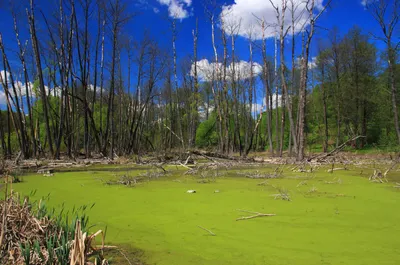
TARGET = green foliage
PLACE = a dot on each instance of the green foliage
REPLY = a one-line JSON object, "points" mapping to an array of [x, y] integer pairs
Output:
{"points": [[206, 134], [358, 101]]}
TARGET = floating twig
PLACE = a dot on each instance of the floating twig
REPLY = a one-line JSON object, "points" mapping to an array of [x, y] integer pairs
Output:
{"points": [[205, 229], [256, 214]]}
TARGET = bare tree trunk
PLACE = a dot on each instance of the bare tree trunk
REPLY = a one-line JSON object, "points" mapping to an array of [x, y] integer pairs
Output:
{"points": [[216, 71], [195, 110], [102, 80], [292, 134], [326, 135], [36, 51], [276, 96], [310, 6], [176, 82], [26, 79], [224, 99], [268, 92], [118, 17], [21, 124]]}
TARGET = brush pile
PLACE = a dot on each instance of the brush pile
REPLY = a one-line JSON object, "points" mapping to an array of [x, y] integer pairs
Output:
{"points": [[30, 234]]}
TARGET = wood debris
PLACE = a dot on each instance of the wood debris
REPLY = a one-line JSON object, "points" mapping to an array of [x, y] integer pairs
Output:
{"points": [[255, 215], [283, 195], [377, 176], [205, 229]]}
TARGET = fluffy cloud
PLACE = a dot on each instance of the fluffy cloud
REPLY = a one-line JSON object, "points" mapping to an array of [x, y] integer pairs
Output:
{"points": [[177, 8], [4, 75], [311, 63], [3, 99], [243, 69], [274, 101], [20, 87], [258, 107], [248, 14]]}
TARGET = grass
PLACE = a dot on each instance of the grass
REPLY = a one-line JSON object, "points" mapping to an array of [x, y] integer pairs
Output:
{"points": [[355, 222]]}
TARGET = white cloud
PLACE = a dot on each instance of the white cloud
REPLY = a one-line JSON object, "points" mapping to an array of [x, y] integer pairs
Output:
{"points": [[156, 10], [274, 101], [3, 99], [19, 86], [176, 8], [257, 108], [205, 69], [313, 63], [4, 74], [248, 13], [243, 70]]}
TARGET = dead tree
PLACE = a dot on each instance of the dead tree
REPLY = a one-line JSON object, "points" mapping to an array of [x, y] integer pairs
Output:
{"points": [[214, 82], [118, 18], [267, 82], [313, 18], [21, 55], [20, 123], [280, 16], [36, 51], [195, 110]]}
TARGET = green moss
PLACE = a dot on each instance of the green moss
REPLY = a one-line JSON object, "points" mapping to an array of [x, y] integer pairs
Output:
{"points": [[355, 222]]}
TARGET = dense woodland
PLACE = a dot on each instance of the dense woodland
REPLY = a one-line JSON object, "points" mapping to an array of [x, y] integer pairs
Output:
{"points": [[68, 94]]}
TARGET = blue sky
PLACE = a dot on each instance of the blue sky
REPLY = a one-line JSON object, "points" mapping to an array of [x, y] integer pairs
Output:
{"points": [[154, 16], [343, 14]]}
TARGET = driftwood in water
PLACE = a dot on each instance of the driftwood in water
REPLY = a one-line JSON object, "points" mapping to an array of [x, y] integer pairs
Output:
{"points": [[378, 176], [205, 229], [255, 215]]}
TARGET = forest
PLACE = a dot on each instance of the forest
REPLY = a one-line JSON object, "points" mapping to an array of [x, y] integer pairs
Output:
{"points": [[80, 84]]}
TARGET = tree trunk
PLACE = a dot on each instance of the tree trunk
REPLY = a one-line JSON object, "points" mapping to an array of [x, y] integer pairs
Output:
{"points": [[36, 51]]}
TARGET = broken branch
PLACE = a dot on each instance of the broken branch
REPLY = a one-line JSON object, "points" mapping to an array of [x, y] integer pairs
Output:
{"points": [[205, 229], [256, 214]]}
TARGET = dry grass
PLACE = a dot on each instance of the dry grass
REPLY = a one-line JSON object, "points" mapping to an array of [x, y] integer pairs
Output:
{"points": [[31, 234]]}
